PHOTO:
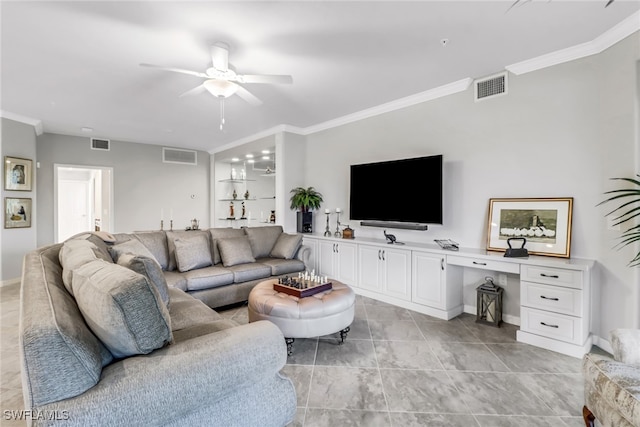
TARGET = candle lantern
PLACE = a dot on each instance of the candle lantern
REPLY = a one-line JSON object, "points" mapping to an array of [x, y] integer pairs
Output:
{"points": [[489, 303]]}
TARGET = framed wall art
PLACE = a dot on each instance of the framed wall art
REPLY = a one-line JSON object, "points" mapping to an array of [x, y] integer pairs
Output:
{"points": [[17, 212], [544, 223], [18, 174]]}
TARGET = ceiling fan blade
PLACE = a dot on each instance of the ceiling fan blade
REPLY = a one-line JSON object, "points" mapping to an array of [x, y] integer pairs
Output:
{"points": [[176, 70], [195, 91], [220, 56], [266, 78], [248, 96]]}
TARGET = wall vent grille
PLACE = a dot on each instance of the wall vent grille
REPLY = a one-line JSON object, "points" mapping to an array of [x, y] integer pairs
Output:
{"points": [[100, 144], [490, 87], [183, 157]]}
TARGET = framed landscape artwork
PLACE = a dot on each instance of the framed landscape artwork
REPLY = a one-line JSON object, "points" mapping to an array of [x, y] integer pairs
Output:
{"points": [[544, 223], [17, 212], [17, 174]]}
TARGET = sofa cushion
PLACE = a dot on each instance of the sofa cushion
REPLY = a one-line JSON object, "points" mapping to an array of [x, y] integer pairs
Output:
{"points": [[192, 252], [263, 239], [251, 271], [222, 233], [187, 311], [286, 246], [234, 251], [175, 279], [150, 269], [208, 277], [156, 242], [75, 253], [132, 246], [282, 266], [122, 308]]}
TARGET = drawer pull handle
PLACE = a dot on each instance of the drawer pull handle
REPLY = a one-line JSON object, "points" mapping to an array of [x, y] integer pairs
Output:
{"points": [[549, 326], [552, 299], [551, 276], [479, 263]]}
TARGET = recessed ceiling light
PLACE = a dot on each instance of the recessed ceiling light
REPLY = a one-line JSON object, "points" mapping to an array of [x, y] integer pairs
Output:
{"points": [[265, 157], [235, 159], [249, 156], [87, 130], [251, 161], [265, 151]]}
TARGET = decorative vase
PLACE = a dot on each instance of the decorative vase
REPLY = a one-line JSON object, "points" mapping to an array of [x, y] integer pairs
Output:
{"points": [[235, 194], [246, 194]]}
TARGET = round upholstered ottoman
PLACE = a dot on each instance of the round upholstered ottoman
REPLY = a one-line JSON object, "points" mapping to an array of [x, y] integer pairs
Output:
{"points": [[321, 314]]}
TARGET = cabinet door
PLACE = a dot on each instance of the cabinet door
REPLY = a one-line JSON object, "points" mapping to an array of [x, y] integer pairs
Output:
{"points": [[326, 254], [397, 273], [370, 267], [428, 280], [346, 262]]}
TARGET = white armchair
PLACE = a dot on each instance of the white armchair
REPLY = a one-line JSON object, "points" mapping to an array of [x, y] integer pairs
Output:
{"points": [[612, 386]]}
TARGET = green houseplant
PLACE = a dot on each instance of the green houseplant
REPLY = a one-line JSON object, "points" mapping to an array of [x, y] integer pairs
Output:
{"points": [[305, 199], [626, 212]]}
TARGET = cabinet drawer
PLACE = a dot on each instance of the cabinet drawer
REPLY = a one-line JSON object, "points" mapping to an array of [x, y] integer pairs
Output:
{"points": [[552, 276], [552, 298], [485, 264], [552, 325]]}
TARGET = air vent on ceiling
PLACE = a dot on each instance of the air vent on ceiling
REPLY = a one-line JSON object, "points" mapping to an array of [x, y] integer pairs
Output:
{"points": [[100, 144], [184, 157], [491, 86]]}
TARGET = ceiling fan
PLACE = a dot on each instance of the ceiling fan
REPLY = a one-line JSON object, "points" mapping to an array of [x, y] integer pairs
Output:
{"points": [[222, 81]]}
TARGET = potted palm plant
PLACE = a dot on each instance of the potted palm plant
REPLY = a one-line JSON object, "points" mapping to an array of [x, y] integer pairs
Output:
{"points": [[626, 212], [305, 200]]}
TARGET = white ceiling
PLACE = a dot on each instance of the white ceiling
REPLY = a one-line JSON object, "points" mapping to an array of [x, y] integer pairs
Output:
{"points": [[76, 64]]}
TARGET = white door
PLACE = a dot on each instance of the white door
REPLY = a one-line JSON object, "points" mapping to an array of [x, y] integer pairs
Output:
{"points": [[428, 280], [74, 208], [369, 265], [346, 262], [397, 273]]}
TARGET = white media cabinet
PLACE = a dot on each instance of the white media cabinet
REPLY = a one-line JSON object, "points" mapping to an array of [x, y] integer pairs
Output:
{"points": [[555, 293]]}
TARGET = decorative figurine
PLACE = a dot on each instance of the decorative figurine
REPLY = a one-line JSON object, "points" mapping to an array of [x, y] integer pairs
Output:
{"points": [[272, 217], [243, 212], [232, 214], [235, 194], [246, 194]]}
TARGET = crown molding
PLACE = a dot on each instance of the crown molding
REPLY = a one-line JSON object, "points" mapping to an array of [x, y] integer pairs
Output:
{"points": [[263, 134], [612, 36], [37, 124]]}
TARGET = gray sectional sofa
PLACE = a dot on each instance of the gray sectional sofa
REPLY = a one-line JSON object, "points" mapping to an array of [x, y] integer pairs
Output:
{"points": [[111, 334]]}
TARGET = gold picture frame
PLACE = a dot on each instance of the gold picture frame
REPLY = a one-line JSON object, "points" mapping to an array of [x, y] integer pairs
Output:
{"points": [[545, 223], [17, 212], [18, 174]]}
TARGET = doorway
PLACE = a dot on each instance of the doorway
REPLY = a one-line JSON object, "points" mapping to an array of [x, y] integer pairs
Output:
{"points": [[83, 200]]}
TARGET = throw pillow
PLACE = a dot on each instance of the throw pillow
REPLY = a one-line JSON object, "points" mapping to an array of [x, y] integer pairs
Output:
{"points": [[122, 308], [222, 233], [286, 246], [192, 252], [75, 253], [234, 251], [150, 269], [132, 246]]}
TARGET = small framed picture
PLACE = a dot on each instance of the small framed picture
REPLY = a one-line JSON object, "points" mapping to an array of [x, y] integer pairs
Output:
{"points": [[17, 174], [17, 212], [544, 223]]}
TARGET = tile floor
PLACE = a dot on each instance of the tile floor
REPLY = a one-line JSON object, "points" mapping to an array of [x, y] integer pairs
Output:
{"points": [[396, 368]]}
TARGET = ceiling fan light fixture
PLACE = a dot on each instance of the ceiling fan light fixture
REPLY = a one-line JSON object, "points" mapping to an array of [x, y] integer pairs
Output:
{"points": [[220, 88]]}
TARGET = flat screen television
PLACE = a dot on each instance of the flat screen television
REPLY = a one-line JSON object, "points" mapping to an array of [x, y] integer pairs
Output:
{"points": [[397, 191]]}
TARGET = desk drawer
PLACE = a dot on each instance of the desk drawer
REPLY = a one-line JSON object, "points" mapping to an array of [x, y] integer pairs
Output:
{"points": [[551, 298], [485, 264], [552, 325], [552, 276]]}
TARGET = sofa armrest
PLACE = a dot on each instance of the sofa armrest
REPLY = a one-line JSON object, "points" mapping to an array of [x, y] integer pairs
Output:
{"points": [[626, 345], [179, 379], [304, 255]]}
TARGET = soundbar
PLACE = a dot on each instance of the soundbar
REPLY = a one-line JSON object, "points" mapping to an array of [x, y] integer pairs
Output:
{"points": [[390, 224]]}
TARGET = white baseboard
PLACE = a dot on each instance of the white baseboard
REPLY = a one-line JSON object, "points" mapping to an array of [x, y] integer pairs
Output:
{"points": [[512, 320], [9, 282], [603, 344]]}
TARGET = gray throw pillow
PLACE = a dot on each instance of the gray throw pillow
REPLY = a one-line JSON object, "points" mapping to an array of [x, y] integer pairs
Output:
{"points": [[132, 246], [192, 252], [75, 253], [263, 239], [234, 251], [122, 308], [222, 233], [286, 246], [150, 269]]}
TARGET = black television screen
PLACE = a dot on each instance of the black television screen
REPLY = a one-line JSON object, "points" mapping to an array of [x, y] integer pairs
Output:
{"points": [[407, 190]]}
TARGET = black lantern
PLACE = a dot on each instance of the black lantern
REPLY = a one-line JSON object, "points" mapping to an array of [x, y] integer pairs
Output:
{"points": [[489, 304]]}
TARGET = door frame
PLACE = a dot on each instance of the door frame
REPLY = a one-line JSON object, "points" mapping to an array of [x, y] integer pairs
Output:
{"points": [[56, 167]]}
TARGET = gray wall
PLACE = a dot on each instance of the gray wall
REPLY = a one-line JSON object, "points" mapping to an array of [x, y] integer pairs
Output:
{"points": [[18, 140], [143, 184], [562, 131]]}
